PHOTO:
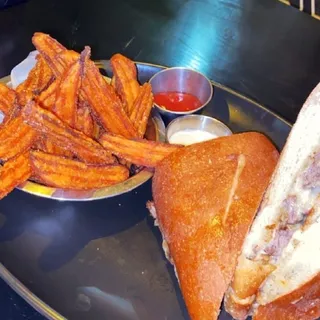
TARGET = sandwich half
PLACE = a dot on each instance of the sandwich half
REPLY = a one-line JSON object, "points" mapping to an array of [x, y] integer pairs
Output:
{"points": [[205, 198], [280, 258]]}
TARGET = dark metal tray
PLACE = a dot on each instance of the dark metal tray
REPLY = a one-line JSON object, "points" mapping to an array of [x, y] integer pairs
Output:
{"points": [[103, 259]]}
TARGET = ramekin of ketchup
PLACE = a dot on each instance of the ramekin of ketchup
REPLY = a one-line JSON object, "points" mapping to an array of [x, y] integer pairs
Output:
{"points": [[179, 91], [177, 101]]}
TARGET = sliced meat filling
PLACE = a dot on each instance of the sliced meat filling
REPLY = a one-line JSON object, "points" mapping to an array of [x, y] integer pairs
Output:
{"points": [[290, 213], [279, 242], [291, 219], [311, 176], [295, 210]]}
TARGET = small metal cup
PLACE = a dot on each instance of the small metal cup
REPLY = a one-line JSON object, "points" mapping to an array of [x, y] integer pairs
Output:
{"points": [[180, 79], [197, 122]]}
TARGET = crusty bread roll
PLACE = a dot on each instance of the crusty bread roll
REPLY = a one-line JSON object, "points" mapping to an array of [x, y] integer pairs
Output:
{"points": [[280, 253], [301, 304], [205, 198]]}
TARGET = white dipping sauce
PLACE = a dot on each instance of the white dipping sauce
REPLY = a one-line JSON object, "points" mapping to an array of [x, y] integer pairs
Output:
{"points": [[189, 136]]}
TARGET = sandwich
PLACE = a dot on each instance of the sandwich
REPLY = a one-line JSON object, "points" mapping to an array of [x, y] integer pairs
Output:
{"points": [[205, 197], [278, 271]]}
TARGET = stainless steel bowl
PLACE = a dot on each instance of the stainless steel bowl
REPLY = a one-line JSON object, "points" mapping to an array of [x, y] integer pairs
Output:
{"points": [[197, 122], [155, 132], [184, 80]]}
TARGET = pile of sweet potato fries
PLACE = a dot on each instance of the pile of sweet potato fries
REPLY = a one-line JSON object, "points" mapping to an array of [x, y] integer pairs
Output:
{"points": [[65, 126]]}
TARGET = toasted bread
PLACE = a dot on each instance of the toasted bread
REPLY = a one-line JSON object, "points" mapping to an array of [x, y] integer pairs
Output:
{"points": [[205, 198], [289, 205]]}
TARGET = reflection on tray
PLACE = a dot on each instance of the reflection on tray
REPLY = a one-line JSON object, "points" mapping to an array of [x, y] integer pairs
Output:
{"points": [[68, 227], [112, 306]]}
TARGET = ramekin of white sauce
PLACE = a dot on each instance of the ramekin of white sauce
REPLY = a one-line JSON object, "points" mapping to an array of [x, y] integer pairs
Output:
{"points": [[190, 129]]}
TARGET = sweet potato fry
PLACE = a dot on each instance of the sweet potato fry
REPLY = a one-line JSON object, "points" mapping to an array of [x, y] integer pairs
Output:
{"points": [[101, 96], [65, 106], [45, 122], [65, 59], [84, 121], [105, 104], [59, 59], [16, 137], [14, 172], [53, 148], [40, 143], [126, 82], [140, 151], [141, 109], [47, 98], [113, 82], [64, 173], [11, 114], [7, 98], [39, 78], [62, 98], [49, 146], [49, 48], [97, 130]]}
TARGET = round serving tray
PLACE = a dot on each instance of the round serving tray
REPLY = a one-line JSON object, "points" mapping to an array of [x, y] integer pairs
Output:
{"points": [[104, 259], [155, 131]]}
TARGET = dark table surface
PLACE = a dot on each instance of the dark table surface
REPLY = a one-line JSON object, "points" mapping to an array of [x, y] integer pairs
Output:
{"points": [[263, 49]]}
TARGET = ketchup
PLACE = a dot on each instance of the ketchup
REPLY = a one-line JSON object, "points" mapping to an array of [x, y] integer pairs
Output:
{"points": [[177, 101]]}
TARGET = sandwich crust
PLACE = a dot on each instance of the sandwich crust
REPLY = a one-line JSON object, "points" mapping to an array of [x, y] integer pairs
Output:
{"points": [[206, 196], [301, 304]]}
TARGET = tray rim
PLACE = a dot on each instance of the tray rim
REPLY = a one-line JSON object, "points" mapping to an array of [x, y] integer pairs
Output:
{"points": [[31, 298]]}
